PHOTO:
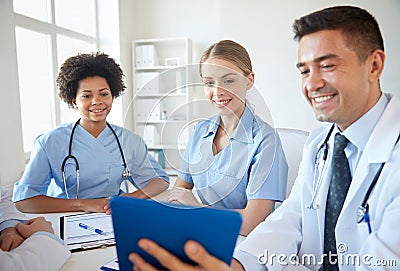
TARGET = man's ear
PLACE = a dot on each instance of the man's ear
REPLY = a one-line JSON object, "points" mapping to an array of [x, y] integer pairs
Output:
{"points": [[377, 63]]}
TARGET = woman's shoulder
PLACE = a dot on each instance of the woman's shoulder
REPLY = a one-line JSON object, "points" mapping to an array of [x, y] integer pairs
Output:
{"points": [[262, 128], [252, 121], [61, 131]]}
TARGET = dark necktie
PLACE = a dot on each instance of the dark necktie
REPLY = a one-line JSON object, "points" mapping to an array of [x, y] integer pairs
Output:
{"points": [[341, 179]]}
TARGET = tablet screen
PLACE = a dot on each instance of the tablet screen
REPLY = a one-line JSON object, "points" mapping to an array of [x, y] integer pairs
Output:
{"points": [[170, 226]]}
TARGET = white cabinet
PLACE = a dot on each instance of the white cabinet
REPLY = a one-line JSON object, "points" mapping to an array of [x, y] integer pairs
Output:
{"points": [[162, 78]]}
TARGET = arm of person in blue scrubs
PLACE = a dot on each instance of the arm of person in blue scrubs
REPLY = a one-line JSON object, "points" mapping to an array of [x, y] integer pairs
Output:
{"points": [[182, 193], [153, 188], [46, 204], [255, 211]]}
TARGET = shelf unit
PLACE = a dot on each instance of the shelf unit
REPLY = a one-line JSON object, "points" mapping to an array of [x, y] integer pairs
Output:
{"points": [[161, 76]]}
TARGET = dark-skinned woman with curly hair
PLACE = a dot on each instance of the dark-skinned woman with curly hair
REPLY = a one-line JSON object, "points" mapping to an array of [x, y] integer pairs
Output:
{"points": [[79, 166]]}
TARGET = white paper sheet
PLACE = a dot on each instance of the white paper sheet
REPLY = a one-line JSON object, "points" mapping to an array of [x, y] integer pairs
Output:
{"points": [[78, 238]]}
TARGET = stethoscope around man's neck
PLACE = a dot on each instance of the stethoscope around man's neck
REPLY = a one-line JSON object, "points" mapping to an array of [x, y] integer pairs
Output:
{"points": [[363, 210], [125, 174], [324, 148]]}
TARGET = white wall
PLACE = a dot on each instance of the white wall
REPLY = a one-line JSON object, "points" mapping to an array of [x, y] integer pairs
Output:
{"points": [[127, 31], [264, 28], [11, 148]]}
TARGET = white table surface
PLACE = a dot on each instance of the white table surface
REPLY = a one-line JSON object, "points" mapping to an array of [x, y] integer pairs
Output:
{"points": [[90, 259], [82, 260]]}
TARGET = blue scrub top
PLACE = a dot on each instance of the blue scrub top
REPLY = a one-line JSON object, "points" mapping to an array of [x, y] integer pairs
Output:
{"points": [[252, 166], [100, 164]]}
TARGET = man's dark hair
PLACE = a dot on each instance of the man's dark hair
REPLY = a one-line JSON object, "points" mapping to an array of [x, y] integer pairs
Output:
{"points": [[359, 27], [82, 66]]}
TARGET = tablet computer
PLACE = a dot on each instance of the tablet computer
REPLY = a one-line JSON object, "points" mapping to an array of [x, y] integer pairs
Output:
{"points": [[171, 225]]}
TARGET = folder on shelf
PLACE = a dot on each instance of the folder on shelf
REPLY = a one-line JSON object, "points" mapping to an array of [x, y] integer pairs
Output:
{"points": [[145, 60], [147, 83], [179, 84], [138, 56], [147, 110], [87, 231], [151, 55], [150, 134]]}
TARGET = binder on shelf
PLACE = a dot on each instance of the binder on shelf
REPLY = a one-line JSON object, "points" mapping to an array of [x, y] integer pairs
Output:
{"points": [[145, 56], [150, 135], [138, 56], [155, 112], [151, 56], [147, 110], [147, 83], [178, 79]]}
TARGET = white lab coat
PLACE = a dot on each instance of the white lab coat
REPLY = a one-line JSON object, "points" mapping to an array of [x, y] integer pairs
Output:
{"points": [[7, 207], [38, 252], [294, 229]]}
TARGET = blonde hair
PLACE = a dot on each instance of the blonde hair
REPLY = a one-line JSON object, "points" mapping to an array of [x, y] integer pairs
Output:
{"points": [[230, 51]]}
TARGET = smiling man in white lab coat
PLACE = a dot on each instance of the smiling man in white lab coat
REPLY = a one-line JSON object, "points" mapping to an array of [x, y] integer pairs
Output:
{"points": [[340, 58], [27, 246]]}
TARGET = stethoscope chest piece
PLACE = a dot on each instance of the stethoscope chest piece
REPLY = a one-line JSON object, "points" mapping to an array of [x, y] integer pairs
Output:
{"points": [[362, 213], [312, 206], [126, 174]]}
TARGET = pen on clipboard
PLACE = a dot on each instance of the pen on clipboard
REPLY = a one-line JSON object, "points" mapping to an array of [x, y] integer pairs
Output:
{"points": [[90, 228]]}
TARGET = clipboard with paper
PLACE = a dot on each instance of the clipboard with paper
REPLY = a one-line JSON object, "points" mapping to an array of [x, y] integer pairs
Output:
{"points": [[87, 231]]}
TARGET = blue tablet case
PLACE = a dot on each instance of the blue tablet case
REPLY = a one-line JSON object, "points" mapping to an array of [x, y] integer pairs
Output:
{"points": [[171, 225]]}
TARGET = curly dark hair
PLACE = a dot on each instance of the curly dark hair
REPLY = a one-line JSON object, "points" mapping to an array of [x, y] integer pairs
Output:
{"points": [[81, 66]]}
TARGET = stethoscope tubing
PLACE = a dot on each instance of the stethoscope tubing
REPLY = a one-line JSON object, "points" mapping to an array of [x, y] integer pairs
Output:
{"points": [[125, 174], [324, 147], [363, 210]]}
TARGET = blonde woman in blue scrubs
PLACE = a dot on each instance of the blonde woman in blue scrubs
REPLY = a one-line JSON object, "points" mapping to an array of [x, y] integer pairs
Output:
{"points": [[234, 160]]}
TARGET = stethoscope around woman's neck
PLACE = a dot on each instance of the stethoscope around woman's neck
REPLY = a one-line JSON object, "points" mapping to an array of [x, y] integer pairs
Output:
{"points": [[363, 210], [125, 174]]}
